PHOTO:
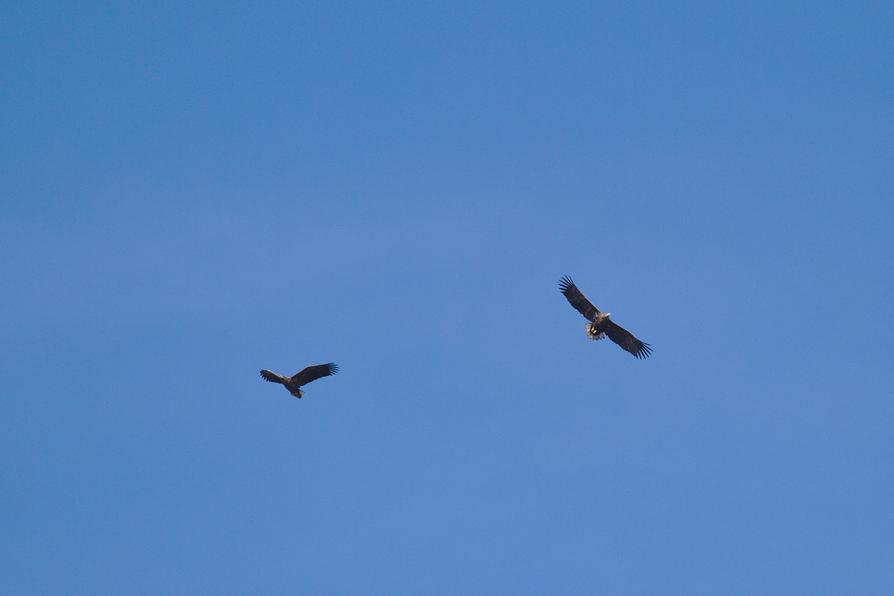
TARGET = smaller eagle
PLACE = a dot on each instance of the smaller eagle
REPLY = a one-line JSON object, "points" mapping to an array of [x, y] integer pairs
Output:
{"points": [[600, 324], [294, 383]]}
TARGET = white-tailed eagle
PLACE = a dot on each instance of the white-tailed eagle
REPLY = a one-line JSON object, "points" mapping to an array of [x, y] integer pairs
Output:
{"points": [[294, 383], [599, 324]]}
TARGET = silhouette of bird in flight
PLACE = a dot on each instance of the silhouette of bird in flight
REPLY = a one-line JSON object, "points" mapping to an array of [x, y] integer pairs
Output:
{"points": [[599, 324], [296, 381]]}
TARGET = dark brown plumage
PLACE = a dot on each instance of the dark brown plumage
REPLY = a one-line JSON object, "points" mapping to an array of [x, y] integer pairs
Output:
{"points": [[599, 323], [294, 383]]}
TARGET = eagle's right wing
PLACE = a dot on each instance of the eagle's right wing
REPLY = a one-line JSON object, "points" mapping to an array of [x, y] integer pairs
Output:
{"points": [[626, 340], [312, 373], [577, 299]]}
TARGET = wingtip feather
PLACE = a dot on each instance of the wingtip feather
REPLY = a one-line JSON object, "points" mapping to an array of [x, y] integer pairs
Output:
{"points": [[565, 284], [644, 351]]}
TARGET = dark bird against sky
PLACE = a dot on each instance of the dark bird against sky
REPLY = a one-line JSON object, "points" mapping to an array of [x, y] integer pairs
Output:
{"points": [[294, 383], [599, 324]]}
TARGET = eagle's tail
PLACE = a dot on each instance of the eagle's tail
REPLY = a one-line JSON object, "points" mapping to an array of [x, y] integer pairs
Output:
{"points": [[592, 334]]}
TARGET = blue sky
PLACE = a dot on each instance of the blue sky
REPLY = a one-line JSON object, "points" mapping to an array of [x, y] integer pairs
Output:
{"points": [[192, 192]]}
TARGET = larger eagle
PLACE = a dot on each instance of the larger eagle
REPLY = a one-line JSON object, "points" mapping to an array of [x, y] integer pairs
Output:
{"points": [[296, 381], [599, 324]]}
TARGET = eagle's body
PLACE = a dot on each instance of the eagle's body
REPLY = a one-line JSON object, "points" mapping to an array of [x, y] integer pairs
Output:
{"points": [[599, 324], [296, 381], [596, 327]]}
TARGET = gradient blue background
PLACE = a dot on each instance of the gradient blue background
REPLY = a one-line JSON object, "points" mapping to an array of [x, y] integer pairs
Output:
{"points": [[191, 192]]}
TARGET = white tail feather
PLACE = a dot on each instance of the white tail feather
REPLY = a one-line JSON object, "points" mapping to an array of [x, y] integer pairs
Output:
{"points": [[593, 336]]}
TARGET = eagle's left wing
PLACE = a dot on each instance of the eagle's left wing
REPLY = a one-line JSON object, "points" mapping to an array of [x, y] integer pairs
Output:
{"points": [[576, 298], [272, 377]]}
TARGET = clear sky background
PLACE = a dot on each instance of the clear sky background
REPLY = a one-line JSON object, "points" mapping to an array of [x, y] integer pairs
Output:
{"points": [[193, 192]]}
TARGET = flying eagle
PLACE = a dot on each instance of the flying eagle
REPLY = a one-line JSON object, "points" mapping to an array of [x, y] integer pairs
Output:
{"points": [[294, 383], [600, 324]]}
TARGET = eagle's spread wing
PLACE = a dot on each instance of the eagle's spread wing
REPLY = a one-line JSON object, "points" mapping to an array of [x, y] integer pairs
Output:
{"points": [[625, 339], [577, 299], [312, 373], [272, 377]]}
